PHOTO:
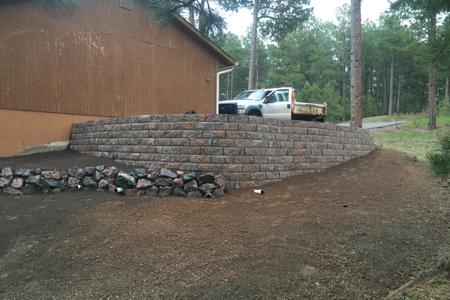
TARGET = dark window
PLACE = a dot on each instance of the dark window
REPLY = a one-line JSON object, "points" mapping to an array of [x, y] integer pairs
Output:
{"points": [[127, 4]]}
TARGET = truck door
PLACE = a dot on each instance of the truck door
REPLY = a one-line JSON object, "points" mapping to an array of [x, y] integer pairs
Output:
{"points": [[278, 105]]}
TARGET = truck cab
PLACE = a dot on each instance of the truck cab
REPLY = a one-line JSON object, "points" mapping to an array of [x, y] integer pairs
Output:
{"points": [[276, 103]]}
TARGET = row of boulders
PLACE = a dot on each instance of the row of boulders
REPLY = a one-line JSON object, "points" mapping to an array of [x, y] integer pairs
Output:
{"points": [[162, 183]]}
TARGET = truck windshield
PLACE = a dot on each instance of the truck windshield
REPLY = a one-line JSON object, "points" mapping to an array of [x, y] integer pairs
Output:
{"points": [[251, 95]]}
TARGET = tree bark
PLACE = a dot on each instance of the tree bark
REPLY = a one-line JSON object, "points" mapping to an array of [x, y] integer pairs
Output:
{"points": [[356, 76], [432, 109], [398, 93], [252, 64], [391, 89], [446, 90]]}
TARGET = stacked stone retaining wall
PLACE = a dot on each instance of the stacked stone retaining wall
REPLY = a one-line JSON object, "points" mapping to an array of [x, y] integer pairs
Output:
{"points": [[248, 151]]}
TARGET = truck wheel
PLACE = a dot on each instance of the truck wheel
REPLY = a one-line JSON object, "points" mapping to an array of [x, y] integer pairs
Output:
{"points": [[254, 113]]}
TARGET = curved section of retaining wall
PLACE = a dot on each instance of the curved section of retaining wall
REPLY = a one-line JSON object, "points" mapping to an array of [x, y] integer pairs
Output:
{"points": [[248, 151]]}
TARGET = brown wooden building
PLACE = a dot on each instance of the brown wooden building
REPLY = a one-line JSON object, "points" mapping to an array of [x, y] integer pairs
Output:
{"points": [[96, 59]]}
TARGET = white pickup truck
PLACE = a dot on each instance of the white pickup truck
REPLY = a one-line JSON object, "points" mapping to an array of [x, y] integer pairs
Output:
{"points": [[277, 103]]}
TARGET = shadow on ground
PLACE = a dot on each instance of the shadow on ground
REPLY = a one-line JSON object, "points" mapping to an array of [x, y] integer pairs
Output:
{"points": [[355, 231]]}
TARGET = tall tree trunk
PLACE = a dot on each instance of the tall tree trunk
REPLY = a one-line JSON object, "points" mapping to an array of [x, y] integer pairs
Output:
{"points": [[191, 16], [398, 93], [432, 110], [356, 81], [446, 90], [391, 89], [252, 65]]}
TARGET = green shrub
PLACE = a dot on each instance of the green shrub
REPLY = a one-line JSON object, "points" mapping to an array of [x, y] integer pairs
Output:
{"points": [[439, 160]]}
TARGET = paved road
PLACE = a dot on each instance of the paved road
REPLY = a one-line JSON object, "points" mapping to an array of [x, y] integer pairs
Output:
{"points": [[378, 124]]}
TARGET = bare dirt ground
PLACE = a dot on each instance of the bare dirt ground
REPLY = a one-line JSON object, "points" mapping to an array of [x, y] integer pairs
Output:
{"points": [[356, 231]]}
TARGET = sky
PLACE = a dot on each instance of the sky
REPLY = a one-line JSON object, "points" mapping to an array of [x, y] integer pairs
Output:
{"points": [[325, 10]]}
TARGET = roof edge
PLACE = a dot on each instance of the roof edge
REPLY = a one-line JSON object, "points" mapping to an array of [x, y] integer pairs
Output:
{"points": [[225, 57]]}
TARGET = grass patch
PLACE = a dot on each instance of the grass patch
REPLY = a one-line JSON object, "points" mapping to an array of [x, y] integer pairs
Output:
{"points": [[412, 137]]}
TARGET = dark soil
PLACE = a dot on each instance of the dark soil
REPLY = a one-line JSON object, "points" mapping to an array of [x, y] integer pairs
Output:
{"points": [[356, 231]]}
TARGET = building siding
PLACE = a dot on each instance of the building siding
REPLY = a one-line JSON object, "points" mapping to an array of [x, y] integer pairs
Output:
{"points": [[98, 59]]}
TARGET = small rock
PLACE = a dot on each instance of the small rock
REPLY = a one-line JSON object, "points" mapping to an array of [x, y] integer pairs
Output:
{"points": [[194, 194], [23, 172], [189, 177], [7, 172], [5, 181], [110, 172], [167, 173], [153, 175], [143, 184], [178, 182], [163, 182], [99, 168], [51, 174], [89, 183], [34, 179], [98, 176], [139, 173], [205, 178], [152, 191], [165, 191], [220, 181], [11, 191], [38, 171], [125, 180], [73, 182], [180, 173], [17, 183], [207, 188], [191, 186], [29, 189], [103, 184], [179, 192]]}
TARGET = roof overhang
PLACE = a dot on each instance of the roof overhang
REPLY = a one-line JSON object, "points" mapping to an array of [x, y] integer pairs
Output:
{"points": [[224, 57]]}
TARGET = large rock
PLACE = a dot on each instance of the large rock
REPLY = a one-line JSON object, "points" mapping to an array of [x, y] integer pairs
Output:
{"points": [[7, 172], [165, 191], [110, 172], [220, 181], [89, 183], [189, 177], [100, 168], [143, 184], [205, 178], [152, 191], [125, 180], [179, 192], [50, 183], [103, 184], [167, 173], [5, 181], [80, 173], [11, 191], [178, 182], [207, 188], [23, 172], [139, 173], [72, 183], [29, 189], [191, 186], [98, 176], [163, 182], [89, 171], [17, 183], [51, 175], [34, 179], [153, 175], [72, 172]]}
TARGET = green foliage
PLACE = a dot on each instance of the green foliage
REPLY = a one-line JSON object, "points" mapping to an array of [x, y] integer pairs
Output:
{"points": [[442, 120], [439, 160], [444, 108]]}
